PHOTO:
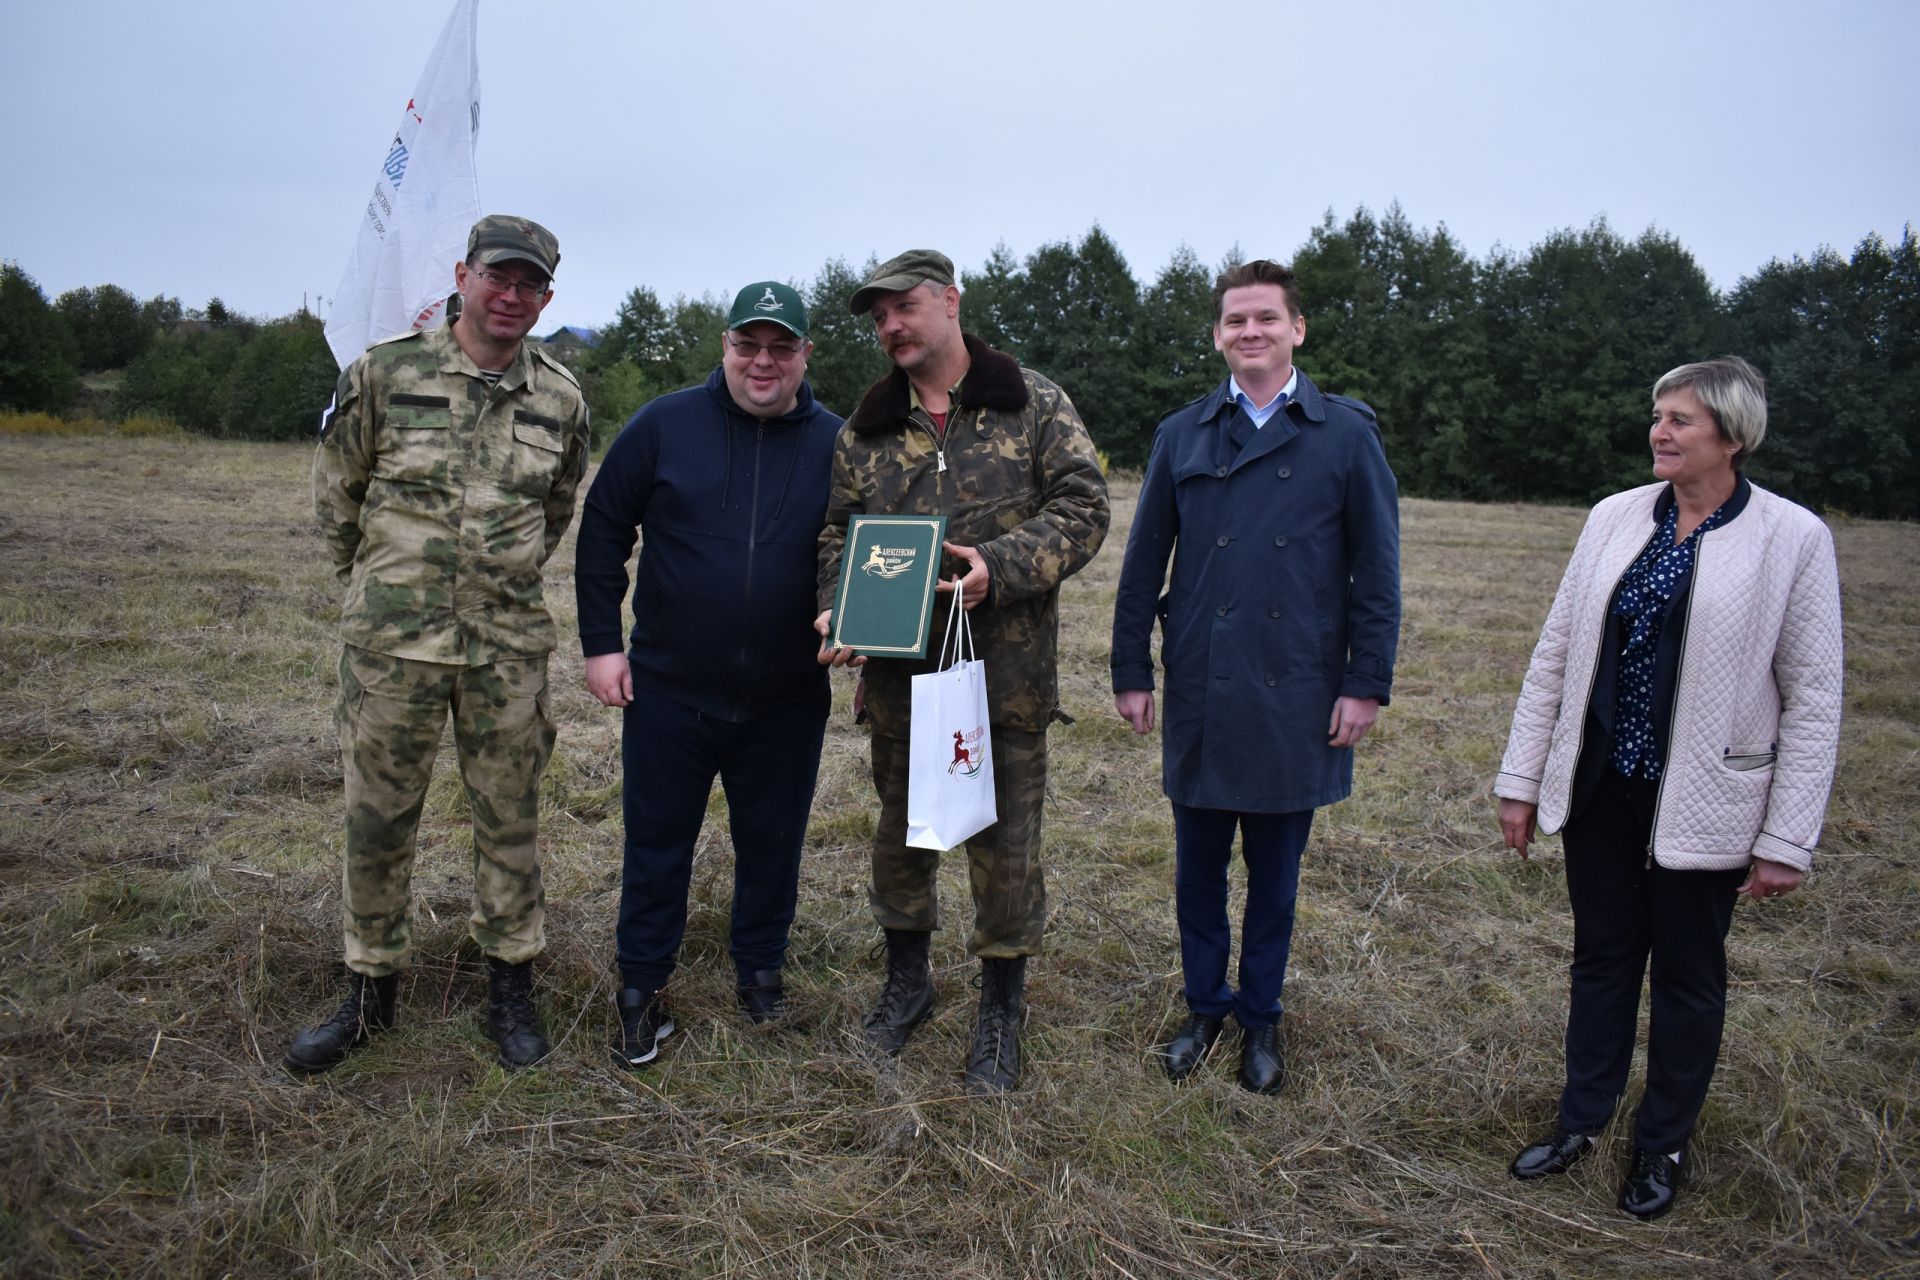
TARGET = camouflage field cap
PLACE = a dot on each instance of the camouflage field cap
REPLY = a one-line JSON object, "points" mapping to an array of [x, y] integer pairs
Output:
{"points": [[915, 266], [500, 237], [769, 300]]}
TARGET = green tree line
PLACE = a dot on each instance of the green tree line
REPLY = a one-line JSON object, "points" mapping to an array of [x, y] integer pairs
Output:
{"points": [[1513, 376]]}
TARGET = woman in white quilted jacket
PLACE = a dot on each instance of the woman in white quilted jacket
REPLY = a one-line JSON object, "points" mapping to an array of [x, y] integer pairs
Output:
{"points": [[1678, 725]]}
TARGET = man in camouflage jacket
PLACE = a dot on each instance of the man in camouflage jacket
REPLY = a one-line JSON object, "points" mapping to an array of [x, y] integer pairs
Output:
{"points": [[961, 430], [446, 474]]}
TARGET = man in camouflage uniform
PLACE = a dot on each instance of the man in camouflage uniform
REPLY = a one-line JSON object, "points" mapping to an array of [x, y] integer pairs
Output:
{"points": [[446, 474], [961, 430]]}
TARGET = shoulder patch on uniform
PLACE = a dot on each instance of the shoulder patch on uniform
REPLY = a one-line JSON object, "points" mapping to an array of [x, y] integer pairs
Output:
{"points": [[346, 389], [556, 366]]}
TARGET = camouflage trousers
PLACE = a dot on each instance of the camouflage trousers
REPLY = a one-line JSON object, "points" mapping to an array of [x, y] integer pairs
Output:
{"points": [[390, 717], [1003, 862]]}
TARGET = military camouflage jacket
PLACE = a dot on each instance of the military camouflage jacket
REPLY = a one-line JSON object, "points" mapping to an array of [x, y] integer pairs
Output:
{"points": [[441, 500], [1016, 476]]}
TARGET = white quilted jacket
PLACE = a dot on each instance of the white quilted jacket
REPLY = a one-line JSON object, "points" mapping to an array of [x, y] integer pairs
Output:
{"points": [[1756, 715]]}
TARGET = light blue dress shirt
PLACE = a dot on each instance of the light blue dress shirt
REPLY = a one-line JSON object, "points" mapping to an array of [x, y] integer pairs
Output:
{"points": [[1258, 413]]}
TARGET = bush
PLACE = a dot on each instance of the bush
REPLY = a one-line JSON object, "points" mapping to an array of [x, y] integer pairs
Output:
{"points": [[614, 394], [37, 354], [41, 424], [47, 424], [184, 376], [281, 382]]}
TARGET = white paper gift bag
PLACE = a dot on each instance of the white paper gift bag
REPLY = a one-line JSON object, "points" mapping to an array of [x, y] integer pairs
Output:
{"points": [[950, 753]]}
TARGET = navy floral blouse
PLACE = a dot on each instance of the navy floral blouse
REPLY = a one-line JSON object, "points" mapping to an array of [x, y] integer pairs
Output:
{"points": [[1641, 605]]}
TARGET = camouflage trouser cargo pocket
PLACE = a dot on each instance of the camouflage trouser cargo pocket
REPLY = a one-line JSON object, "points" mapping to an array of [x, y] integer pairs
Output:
{"points": [[390, 717], [1003, 861]]}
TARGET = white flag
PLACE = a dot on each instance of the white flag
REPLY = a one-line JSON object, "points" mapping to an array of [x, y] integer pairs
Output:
{"points": [[427, 198]]}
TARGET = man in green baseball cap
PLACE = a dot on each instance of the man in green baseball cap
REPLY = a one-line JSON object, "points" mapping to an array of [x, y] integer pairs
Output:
{"points": [[961, 430], [771, 301], [726, 487]]}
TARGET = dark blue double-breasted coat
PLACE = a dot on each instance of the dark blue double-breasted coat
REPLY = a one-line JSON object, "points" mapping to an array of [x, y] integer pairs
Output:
{"points": [[1284, 595]]}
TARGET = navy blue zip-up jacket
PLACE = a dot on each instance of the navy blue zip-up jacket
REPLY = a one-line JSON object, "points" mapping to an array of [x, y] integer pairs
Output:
{"points": [[729, 508]]}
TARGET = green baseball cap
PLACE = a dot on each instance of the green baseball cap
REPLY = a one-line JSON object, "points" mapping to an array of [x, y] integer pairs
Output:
{"points": [[915, 266], [769, 300], [501, 237]]}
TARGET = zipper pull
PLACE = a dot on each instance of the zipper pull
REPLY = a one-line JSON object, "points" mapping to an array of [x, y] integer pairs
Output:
{"points": [[940, 460]]}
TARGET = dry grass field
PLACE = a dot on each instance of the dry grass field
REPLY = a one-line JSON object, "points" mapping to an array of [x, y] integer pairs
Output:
{"points": [[169, 815]]}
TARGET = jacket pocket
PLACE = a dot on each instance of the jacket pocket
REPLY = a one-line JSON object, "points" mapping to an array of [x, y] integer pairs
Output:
{"points": [[538, 446], [987, 519], [411, 442], [1743, 759]]}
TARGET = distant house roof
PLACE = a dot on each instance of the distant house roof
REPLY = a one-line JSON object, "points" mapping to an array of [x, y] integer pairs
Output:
{"points": [[572, 335]]}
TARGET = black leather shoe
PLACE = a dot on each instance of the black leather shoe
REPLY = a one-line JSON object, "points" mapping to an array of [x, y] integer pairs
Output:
{"points": [[1651, 1185], [1262, 1070], [1558, 1152], [762, 996], [993, 1063], [644, 1023], [512, 1020], [906, 1000], [1190, 1047], [368, 1008]]}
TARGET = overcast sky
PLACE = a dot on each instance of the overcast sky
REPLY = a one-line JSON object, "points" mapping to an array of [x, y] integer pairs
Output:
{"points": [[204, 148]]}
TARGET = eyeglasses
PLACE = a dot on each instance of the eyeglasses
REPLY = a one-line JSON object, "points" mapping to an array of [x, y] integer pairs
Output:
{"points": [[529, 290], [748, 349]]}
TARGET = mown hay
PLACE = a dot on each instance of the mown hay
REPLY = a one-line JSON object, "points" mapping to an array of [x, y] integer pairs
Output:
{"points": [[169, 810]]}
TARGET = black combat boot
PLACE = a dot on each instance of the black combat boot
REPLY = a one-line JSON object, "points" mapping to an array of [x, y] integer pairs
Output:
{"points": [[994, 1064], [907, 999], [368, 1008], [512, 1020]]}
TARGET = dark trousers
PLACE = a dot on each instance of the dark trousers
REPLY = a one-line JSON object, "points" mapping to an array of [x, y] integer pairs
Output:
{"points": [[670, 755], [1625, 911], [1271, 844]]}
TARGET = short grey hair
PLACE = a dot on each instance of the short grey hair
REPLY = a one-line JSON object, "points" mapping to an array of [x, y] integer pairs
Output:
{"points": [[1734, 392]]}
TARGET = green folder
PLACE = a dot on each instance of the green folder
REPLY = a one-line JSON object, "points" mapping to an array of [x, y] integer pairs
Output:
{"points": [[888, 571]]}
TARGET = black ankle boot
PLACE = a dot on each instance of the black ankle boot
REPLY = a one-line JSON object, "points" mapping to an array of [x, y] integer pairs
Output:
{"points": [[512, 1020], [994, 1064], [368, 1008], [906, 1000]]}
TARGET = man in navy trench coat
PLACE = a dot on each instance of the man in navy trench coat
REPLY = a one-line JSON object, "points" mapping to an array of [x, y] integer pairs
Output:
{"points": [[1276, 505]]}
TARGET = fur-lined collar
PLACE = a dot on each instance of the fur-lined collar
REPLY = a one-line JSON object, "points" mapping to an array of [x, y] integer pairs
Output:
{"points": [[993, 381]]}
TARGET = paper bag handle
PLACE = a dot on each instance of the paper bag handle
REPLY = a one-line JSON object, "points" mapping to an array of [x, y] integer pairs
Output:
{"points": [[961, 641]]}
